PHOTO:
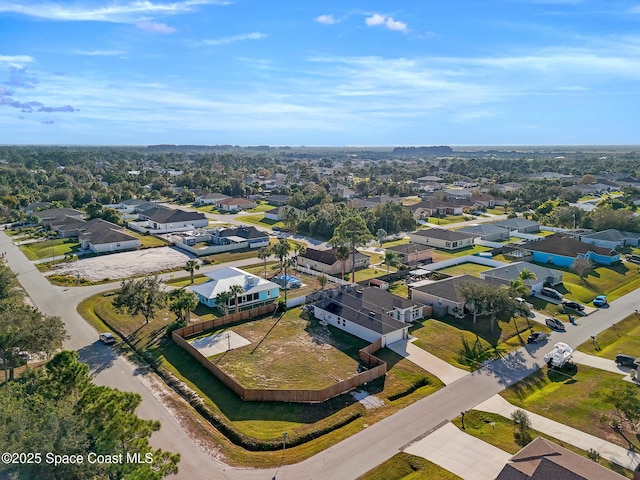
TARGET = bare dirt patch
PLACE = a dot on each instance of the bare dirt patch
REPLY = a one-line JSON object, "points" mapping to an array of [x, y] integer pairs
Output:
{"points": [[122, 265]]}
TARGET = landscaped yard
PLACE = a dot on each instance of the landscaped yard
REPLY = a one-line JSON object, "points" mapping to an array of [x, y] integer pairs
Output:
{"points": [[569, 397], [147, 241], [439, 255], [259, 422], [47, 248], [445, 220], [467, 268], [464, 345], [403, 466], [261, 221], [623, 337], [499, 431]]}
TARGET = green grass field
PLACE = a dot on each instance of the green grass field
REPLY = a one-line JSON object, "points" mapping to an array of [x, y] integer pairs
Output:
{"points": [[48, 248], [465, 268], [623, 337], [569, 397], [403, 466]]}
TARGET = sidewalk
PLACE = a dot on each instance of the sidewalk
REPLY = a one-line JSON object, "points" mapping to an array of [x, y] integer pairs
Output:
{"points": [[602, 364], [585, 441], [425, 360], [460, 453]]}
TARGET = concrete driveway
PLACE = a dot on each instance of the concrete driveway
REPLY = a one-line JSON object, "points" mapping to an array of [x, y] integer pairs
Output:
{"points": [[425, 360], [466, 456]]}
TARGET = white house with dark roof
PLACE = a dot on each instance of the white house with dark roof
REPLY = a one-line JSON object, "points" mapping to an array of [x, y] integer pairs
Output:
{"points": [[278, 213], [444, 296], [256, 291], [168, 220], [326, 261], [212, 241], [611, 239], [363, 315], [441, 238], [209, 198], [522, 225], [100, 236], [505, 274], [235, 204], [487, 231]]}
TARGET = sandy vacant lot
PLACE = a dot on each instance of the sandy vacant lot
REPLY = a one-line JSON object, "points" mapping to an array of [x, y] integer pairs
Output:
{"points": [[123, 265]]}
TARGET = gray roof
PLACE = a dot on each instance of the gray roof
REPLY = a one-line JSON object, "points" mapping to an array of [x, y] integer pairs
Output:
{"points": [[515, 223], [511, 271], [353, 308], [612, 235], [409, 248], [51, 213], [169, 215], [328, 257], [100, 232], [449, 287], [484, 229], [244, 232], [567, 247], [442, 234], [375, 298]]}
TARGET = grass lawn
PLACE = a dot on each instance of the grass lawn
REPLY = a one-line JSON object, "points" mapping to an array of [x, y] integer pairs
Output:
{"points": [[614, 282], [623, 337], [446, 220], [47, 248], [568, 397], [261, 207], [399, 288], [395, 243], [439, 255], [403, 466], [465, 268], [404, 384], [496, 211], [147, 241], [499, 431], [466, 346]]}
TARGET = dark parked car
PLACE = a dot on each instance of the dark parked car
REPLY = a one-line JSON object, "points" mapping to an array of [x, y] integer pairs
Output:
{"points": [[627, 360], [573, 305], [537, 337], [551, 293], [555, 324]]}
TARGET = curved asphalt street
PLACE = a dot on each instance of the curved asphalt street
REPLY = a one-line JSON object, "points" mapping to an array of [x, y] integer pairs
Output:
{"points": [[346, 460]]}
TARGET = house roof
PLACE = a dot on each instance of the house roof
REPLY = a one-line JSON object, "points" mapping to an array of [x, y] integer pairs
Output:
{"points": [[100, 232], [511, 271], [278, 198], [281, 210], [612, 235], [567, 247], [449, 288], [235, 201], [327, 257], [169, 215], [212, 195], [515, 223], [442, 234], [409, 248], [484, 229], [542, 459], [246, 233], [222, 280], [373, 298], [352, 307], [52, 213]]}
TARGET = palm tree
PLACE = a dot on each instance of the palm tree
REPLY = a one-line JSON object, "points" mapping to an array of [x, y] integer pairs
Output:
{"points": [[263, 254], [191, 266], [182, 302], [235, 291], [342, 255], [222, 300], [526, 275], [281, 250], [390, 258], [381, 234]]}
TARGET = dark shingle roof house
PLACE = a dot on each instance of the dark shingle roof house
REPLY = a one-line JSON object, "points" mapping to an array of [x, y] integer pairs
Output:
{"points": [[99, 232], [442, 234], [247, 233], [449, 288], [169, 215], [544, 460], [328, 257], [567, 247]]}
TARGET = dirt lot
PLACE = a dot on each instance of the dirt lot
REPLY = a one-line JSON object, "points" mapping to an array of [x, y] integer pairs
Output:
{"points": [[123, 265]]}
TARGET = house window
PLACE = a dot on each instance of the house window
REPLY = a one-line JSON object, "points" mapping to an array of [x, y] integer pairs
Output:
{"points": [[344, 322], [117, 245]]}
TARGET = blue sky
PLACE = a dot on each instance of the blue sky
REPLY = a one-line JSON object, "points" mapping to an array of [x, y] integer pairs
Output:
{"points": [[376, 72]]}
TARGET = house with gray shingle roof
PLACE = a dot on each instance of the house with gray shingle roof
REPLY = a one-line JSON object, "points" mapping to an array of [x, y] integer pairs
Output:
{"points": [[444, 295], [441, 238], [487, 231], [101, 236], [611, 239], [564, 251]]}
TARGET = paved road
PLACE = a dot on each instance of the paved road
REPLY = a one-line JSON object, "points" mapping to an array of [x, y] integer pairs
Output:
{"points": [[348, 459]]}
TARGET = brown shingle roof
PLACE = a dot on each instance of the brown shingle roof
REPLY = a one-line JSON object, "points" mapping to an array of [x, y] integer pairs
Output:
{"points": [[567, 247]]}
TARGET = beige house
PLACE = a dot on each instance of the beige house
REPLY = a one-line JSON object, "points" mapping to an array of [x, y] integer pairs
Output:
{"points": [[441, 238], [325, 261]]}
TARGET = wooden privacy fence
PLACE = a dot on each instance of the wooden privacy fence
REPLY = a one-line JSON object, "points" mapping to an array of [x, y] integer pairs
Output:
{"points": [[377, 367]]}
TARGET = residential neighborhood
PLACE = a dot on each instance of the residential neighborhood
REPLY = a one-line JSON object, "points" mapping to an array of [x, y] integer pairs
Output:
{"points": [[372, 283]]}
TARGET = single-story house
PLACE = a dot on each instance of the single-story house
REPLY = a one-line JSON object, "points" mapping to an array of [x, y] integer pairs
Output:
{"points": [[36, 206], [505, 274], [431, 206], [522, 225], [256, 290], [337, 188], [611, 239], [325, 261], [483, 200], [370, 202], [166, 220], [542, 460], [278, 200], [132, 205], [254, 237], [487, 231], [443, 296], [563, 252], [67, 227], [235, 204], [209, 198], [347, 310], [101, 236], [278, 213], [412, 253], [441, 238], [53, 216]]}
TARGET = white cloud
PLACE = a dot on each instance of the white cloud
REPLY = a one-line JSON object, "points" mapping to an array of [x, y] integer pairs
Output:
{"points": [[154, 27], [16, 61], [132, 12], [382, 20], [100, 53], [327, 19], [233, 39]]}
